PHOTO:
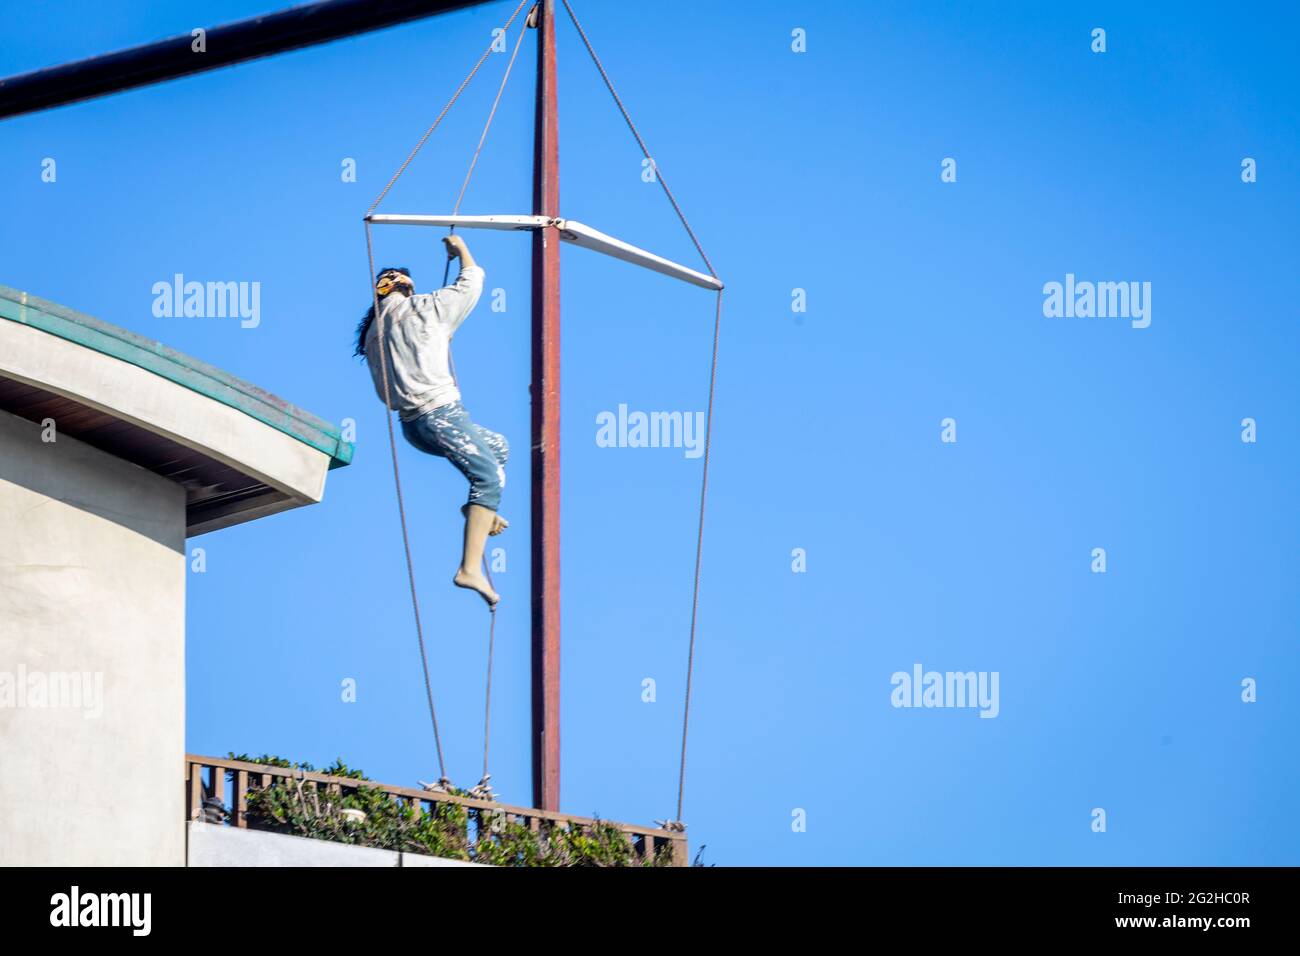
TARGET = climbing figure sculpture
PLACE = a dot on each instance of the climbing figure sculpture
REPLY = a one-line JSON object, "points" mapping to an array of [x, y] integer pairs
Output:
{"points": [[417, 344]]}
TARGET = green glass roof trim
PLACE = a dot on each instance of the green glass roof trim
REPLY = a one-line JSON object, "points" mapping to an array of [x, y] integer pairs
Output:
{"points": [[200, 377]]}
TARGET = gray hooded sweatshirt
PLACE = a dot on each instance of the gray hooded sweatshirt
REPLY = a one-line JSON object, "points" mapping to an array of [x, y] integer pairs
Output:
{"points": [[418, 331]]}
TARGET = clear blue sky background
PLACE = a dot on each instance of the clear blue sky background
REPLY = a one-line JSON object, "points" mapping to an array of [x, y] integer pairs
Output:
{"points": [[817, 171]]}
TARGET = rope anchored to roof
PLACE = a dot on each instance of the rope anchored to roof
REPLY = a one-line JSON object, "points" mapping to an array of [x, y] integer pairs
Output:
{"points": [[578, 234], [676, 824], [443, 782]]}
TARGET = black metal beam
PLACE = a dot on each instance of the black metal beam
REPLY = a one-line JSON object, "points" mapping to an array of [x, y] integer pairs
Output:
{"points": [[274, 33]]}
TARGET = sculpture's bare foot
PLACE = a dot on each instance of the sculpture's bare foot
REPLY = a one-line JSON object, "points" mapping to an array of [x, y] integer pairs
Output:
{"points": [[476, 582], [498, 525]]}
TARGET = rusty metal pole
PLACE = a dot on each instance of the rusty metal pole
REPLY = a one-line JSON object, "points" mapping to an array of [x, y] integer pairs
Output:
{"points": [[546, 425]]}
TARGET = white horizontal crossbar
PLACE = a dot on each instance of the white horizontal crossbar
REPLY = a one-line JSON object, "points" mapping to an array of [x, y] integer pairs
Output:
{"points": [[464, 222], [583, 235], [570, 231]]}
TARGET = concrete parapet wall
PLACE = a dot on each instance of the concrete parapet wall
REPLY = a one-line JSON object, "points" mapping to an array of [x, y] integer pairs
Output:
{"points": [[214, 845]]}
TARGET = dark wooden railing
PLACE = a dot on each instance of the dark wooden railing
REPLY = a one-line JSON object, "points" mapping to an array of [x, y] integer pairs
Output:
{"points": [[209, 798]]}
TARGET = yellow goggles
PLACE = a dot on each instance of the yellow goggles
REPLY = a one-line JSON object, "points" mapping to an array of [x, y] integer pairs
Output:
{"points": [[387, 282]]}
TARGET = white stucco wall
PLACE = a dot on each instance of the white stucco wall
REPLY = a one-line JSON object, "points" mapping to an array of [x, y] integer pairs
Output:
{"points": [[92, 583]]}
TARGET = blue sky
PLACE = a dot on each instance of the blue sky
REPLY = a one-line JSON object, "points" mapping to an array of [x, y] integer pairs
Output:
{"points": [[817, 171]]}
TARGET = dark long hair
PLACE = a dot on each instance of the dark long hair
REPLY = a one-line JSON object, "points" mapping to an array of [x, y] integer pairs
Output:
{"points": [[363, 327]]}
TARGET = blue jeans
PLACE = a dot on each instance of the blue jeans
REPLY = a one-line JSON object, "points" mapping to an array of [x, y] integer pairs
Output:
{"points": [[479, 454]]}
